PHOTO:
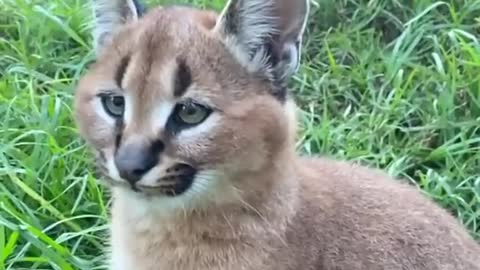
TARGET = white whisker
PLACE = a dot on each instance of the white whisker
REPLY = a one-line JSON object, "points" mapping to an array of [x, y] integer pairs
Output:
{"points": [[263, 218]]}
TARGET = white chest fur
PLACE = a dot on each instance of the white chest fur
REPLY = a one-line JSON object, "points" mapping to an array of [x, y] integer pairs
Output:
{"points": [[120, 257], [143, 240]]}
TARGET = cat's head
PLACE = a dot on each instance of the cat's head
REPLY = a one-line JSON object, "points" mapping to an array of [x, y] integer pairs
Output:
{"points": [[185, 103]]}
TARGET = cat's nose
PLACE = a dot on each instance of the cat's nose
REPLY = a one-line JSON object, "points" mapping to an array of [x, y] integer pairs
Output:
{"points": [[134, 160]]}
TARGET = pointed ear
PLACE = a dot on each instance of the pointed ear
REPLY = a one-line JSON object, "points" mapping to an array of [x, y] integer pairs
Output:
{"points": [[110, 15], [265, 35]]}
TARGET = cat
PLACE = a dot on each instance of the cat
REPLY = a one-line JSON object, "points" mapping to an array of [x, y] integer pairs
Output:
{"points": [[190, 118]]}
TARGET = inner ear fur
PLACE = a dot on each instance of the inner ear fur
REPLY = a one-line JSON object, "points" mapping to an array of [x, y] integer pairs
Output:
{"points": [[110, 15], [265, 35]]}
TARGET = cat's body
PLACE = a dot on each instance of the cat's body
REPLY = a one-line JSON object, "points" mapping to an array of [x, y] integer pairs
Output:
{"points": [[334, 215], [195, 132]]}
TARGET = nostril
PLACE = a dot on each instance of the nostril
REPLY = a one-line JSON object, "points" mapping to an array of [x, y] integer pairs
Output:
{"points": [[157, 146], [139, 172], [132, 173]]}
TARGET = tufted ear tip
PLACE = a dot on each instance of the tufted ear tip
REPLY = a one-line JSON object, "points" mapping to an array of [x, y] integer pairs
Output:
{"points": [[139, 8], [110, 15], [266, 35]]}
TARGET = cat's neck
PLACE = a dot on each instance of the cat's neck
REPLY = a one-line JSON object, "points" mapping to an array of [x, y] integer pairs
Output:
{"points": [[268, 204]]}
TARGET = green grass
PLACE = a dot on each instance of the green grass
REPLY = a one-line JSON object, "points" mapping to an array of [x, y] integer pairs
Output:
{"points": [[393, 84]]}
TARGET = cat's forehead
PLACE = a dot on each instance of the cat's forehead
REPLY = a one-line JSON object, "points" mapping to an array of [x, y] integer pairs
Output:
{"points": [[173, 62], [172, 50], [155, 47], [170, 28]]}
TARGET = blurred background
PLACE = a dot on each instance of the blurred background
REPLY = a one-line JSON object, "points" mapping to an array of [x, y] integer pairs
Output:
{"points": [[390, 84]]}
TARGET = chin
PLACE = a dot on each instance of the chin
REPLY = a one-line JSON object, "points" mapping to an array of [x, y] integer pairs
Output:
{"points": [[203, 190]]}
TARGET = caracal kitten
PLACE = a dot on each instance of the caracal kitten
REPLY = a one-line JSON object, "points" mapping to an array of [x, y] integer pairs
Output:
{"points": [[194, 131]]}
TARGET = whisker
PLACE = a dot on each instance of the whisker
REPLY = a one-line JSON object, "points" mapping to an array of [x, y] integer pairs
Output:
{"points": [[229, 224], [274, 232]]}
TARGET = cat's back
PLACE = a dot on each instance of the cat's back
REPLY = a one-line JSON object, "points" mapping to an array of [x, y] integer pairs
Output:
{"points": [[360, 218]]}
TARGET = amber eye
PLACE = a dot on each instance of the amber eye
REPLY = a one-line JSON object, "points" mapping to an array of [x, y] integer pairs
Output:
{"points": [[114, 105], [191, 113]]}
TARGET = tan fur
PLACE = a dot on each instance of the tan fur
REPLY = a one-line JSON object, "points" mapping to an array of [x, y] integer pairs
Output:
{"points": [[267, 207]]}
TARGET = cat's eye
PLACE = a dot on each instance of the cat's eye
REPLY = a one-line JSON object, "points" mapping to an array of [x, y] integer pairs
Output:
{"points": [[191, 113], [114, 105]]}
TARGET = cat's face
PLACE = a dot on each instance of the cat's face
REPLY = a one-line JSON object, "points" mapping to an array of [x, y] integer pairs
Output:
{"points": [[182, 103]]}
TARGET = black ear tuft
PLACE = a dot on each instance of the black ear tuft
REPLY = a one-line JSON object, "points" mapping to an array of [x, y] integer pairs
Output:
{"points": [[110, 16], [141, 9]]}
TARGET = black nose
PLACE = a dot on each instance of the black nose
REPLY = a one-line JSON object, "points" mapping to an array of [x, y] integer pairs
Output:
{"points": [[136, 159]]}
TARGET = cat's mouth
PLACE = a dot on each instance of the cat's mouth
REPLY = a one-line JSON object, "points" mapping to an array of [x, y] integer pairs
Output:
{"points": [[178, 180], [175, 182]]}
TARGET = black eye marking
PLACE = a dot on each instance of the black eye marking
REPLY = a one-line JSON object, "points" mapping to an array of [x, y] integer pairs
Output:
{"points": [[183, 78], [119, 125], [122, 68]]}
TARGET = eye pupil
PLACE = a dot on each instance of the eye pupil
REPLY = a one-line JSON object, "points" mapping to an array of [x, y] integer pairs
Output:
{"points": [[191, 110], [118, 101]]}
